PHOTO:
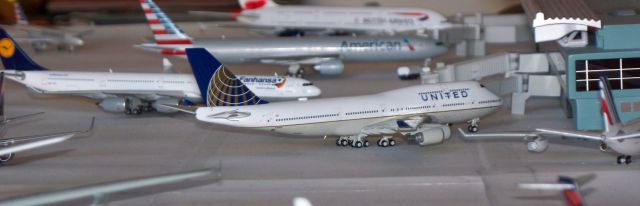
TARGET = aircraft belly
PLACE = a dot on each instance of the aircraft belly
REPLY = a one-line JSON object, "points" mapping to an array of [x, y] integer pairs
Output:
{"points": [[457, 116], [348, 127], [627, 147]]}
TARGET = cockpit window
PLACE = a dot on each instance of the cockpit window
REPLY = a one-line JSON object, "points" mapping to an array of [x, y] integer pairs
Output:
{"points": [[307, 84]]}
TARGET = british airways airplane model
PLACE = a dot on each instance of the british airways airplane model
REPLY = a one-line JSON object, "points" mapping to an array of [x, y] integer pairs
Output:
{"points": [[324, 54], [133, 93], [624, 139], [422, 111], [268, 16]]}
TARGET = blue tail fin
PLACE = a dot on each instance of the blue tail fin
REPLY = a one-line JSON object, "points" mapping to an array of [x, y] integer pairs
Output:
{"points": [[218, 86], [12, 55]]}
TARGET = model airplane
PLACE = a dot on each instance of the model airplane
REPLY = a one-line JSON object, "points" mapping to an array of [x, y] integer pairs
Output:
{"points": [[269, 17], [41, 37], [570, 188], [422, 111], [133, 93], [324, 54], [9, 146], [622, 138], [99, 192]]}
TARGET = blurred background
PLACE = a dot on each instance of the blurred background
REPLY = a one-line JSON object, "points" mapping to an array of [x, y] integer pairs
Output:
{"points": [[65, 12]]}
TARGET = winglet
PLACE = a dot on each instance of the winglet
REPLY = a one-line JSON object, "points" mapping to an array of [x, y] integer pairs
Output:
{"points": [[13, 57], [219, 86], [612, 121]]}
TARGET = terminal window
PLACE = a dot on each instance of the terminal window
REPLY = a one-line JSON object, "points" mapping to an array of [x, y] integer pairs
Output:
{"points": [[623, 73]]}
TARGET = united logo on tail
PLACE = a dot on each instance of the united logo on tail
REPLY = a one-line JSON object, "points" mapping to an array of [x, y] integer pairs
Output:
{"points": [[218, 86]]}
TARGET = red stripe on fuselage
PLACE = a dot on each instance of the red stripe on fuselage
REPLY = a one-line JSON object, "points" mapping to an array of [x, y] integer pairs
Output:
{"points": [[173, 52], [174, 41]]}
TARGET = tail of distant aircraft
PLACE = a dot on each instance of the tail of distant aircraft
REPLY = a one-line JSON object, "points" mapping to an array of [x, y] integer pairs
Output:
{"points": [[165, 32], [218, 86], [256, 4], [21, 18], [612, 123], [13, 57]]}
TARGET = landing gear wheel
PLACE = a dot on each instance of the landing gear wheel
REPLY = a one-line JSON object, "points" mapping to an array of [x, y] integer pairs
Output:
{"points": [[624, 159], [127, 111], [366, 143], [473, 129], [338, 142], [392, 143], [344, 142], [384, 143], [358, 144], [136, 111], [604, 147]]}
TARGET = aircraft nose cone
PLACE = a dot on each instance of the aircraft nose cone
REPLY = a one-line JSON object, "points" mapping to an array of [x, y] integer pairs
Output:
{"points": [[313, 91]]}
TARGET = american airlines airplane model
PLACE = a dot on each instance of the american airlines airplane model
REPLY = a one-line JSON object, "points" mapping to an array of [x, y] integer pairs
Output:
{"points": [[325, 54], [422, 111], [624, 139], [133, 93], [268, 16], [41, 37]]}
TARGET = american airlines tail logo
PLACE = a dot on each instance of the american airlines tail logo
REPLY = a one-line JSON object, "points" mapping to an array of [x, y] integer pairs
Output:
{"points": [[411, 48], [225, 89]]}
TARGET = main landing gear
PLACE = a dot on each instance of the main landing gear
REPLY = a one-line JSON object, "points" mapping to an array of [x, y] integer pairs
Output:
{"points": [[361, 141], [473, 125], [295, 70], [624, 159]]}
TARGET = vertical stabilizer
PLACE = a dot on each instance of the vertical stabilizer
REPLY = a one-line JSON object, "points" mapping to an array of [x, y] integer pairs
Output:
{"points": [[218, 86], [21, 18], [256, 4], [610, 116], [165, 32], [13, 57]]}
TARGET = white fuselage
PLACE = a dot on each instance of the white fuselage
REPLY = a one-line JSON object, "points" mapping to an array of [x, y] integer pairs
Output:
{"points": [[346, 18], [442, 103], [98, 85]]}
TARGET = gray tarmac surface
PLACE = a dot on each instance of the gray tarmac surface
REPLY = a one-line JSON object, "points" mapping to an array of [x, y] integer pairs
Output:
{"points": [[270, 169]]}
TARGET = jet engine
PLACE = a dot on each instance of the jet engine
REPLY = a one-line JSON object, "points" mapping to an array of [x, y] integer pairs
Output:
{"points": [[157, 105], [128, 105], [431, 134], [537, 145], [6, 157], [330, 67]]}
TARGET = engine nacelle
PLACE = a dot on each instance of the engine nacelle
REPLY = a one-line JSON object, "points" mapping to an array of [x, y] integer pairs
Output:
{"points": [[6, 157], [431, 134], [158, 105], [331, 67], [538, 145], [121, 104]]}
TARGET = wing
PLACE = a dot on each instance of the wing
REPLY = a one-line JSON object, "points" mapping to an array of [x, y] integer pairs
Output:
{"points": [[37, 40], [14, 140], [546, 186], [11, 119], [393, 124], [44, 141], [100, 190], [538, 132]]}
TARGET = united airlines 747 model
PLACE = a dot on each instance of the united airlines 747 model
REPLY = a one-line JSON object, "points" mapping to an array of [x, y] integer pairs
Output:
{"points": [[133, 93], [423, 111], [283, 20], [325, 54]]}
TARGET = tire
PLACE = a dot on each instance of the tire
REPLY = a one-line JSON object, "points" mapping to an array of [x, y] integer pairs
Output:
{"points": [[392, 143], [338, 142], [384, 143], [358, 144], [366, 143], [344, 142]]}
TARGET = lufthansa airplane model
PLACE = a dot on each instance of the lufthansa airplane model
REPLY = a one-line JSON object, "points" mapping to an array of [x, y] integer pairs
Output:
{"points": [[421, 111], [133, 93], [624, 139], [324, 54], [41, 37], [268, 16]]}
